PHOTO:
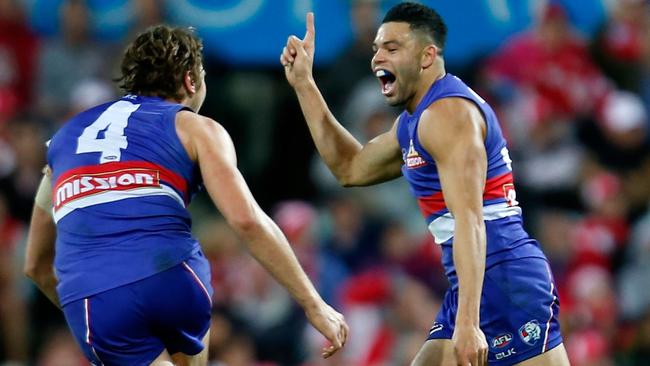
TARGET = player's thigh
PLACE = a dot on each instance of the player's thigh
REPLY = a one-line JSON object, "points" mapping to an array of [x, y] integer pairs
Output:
{"points": [[555, 357], [436, 352], [201, 359], [180, 321]]}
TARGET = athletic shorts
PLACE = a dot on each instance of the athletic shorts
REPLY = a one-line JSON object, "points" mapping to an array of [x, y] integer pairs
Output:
{"points": [[519, 311], [133, 324]]}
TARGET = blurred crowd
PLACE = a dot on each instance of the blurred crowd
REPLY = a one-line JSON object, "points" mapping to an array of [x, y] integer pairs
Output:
{"points": [[574, 108]]}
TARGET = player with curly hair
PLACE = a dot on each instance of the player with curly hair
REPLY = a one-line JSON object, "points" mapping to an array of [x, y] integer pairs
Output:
{"points": [[130, 278]]}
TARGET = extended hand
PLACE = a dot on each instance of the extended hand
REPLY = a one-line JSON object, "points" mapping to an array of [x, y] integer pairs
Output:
{"points": [[298, 55], [331, 324], [470, 346]]}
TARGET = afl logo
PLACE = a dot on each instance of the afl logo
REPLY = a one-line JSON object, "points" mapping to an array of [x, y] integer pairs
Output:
{"points": [[502, 340]]}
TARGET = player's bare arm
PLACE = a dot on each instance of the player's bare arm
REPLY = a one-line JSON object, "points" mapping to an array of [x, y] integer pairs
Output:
{"points": [[352, 164], [39, 257], [208, 143], [452, 130]]}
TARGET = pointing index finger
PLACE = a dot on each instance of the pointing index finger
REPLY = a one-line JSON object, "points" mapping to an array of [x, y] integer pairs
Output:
{"points": [[310, 31]]}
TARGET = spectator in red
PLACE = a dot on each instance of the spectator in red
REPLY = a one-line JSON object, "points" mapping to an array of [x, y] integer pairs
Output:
{"points": [[621, 42], [599, 238], [18, 52], [13, 316], [548, 70], [592, 316]]}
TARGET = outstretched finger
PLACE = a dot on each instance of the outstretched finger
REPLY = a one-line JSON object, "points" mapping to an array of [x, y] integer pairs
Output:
{"points": [[310, 31]]}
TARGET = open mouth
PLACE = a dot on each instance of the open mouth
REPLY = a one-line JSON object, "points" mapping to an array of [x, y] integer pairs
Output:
{"points": [[387, 80]]}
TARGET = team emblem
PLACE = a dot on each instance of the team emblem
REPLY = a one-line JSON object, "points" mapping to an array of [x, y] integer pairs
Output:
{"points": [[530, 332], [413, 159]]}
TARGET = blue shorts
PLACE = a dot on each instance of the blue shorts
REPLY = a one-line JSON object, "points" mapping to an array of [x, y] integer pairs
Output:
{"points": [[133, 324], [519, 311]]}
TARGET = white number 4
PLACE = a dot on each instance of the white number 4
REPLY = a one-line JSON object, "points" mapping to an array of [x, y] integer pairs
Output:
{"points": [[112, 121]]}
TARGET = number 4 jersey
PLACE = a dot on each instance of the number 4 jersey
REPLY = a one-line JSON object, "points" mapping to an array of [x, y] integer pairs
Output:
{"points": [[121, 183], [506, 238]]}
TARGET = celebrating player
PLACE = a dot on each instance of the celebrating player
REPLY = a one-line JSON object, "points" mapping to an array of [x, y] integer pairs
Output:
{"points": [[131, 280], [502, 306]]}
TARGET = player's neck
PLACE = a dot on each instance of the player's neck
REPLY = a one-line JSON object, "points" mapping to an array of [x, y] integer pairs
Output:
{"points": [[185, 101], [429, 76]]}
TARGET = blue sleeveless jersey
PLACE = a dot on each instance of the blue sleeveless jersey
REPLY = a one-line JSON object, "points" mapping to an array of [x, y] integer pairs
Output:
{"points": [[506, 238], [121, 183]]}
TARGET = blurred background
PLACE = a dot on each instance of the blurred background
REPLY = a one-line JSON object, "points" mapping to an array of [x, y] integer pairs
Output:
{"points": [[570, 81]]}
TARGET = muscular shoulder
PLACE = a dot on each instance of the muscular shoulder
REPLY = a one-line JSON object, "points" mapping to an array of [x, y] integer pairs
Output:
{"points": [[194, 129], [194, 122], [449, 120], [452, 112]]}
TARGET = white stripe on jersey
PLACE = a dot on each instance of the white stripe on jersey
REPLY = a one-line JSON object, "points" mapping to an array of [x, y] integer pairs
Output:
{"points": [[112, 196], [442, 228]]}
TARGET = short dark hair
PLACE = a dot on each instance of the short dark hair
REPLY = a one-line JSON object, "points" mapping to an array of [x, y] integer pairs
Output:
{"points": [[421, 18], [155, 63]]}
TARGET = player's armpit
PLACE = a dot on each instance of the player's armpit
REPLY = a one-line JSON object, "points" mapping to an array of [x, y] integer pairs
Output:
{"points": [[378, 161], [43, 197]]}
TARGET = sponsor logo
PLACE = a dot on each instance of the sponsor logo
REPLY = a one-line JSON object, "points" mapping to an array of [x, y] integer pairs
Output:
{"points": [[504, 354], [502, 340], [82, 185], [530, 332], [436, 328], [510, 194], [413, 159]]}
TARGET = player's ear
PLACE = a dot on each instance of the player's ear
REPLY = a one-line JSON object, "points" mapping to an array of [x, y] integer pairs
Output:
{"points": [[189, 83], [429, 54]]}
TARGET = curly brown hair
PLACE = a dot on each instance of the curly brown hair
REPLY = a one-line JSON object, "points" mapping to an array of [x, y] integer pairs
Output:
{"points": [[154, 64]]}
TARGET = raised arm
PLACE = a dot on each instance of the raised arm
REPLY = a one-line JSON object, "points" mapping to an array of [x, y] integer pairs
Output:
{"points": [[39, 257], [452, 130], [352, 164], [208, 143]]}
